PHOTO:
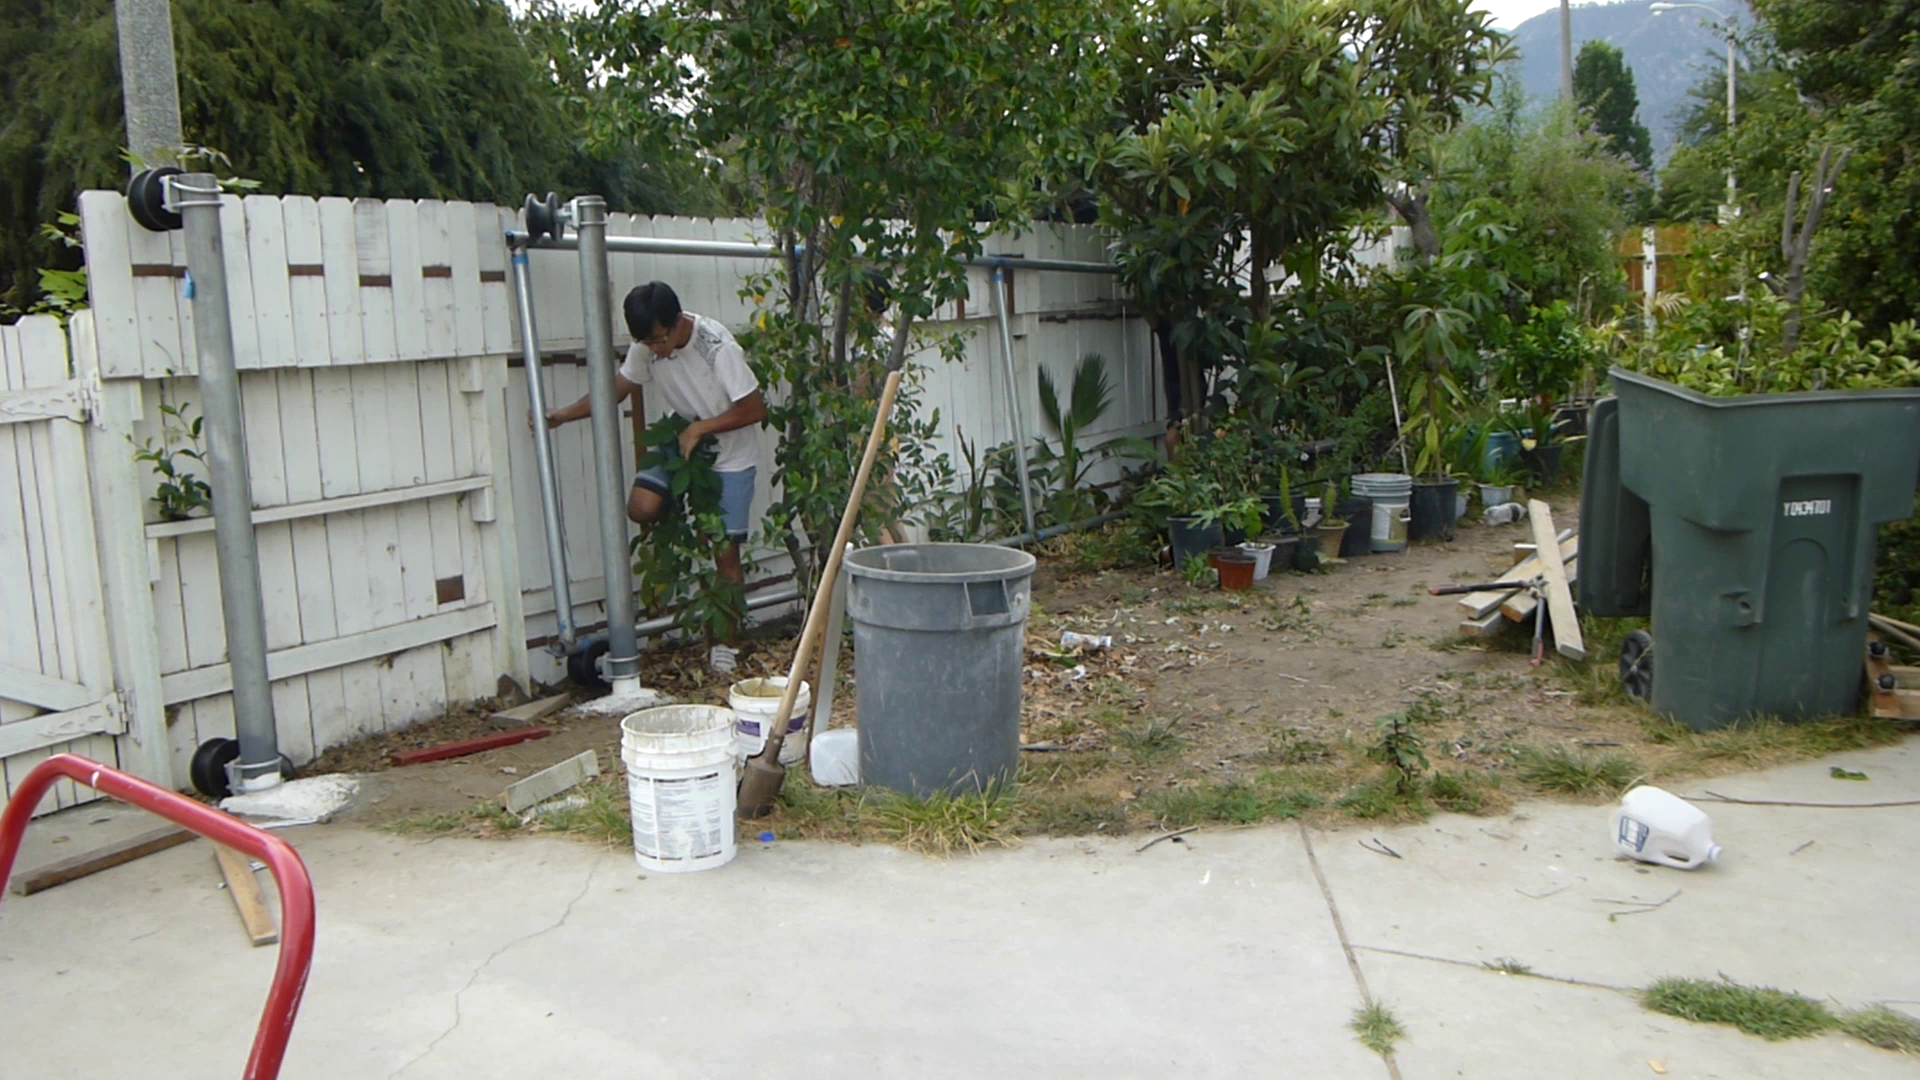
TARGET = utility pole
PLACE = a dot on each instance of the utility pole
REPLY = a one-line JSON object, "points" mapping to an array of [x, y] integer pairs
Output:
{"points": [[149, 87], [1566, 50]]}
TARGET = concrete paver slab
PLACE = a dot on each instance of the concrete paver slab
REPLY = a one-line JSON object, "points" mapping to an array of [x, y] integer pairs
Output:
{"points": [[1830, 921], [1479, 1024], [459, 958]]}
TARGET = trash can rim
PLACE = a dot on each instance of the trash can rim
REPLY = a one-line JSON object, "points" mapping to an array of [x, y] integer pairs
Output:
{"points": [[1748, 401], [1023, 563]]}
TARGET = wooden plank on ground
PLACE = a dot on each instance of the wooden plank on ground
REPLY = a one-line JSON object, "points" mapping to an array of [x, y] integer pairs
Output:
{"points": [[524, 795], [1479, 604], [1519, 606], [237, 869], [1566, 625], [28, 882], [463, 747], [1485, 626]]}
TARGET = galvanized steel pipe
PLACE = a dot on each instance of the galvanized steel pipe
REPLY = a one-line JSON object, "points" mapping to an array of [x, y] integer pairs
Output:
{"points": [[197, 198], [566, 631], [596, 284]]}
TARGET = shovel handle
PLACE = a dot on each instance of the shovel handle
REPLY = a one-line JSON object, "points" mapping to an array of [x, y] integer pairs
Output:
{"points": [[817, 611]]}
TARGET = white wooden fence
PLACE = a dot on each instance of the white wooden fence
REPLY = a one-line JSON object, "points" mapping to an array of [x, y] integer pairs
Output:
{"points": [[402, 557]]}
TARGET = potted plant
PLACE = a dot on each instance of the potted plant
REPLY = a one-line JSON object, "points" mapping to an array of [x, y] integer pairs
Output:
{"points": [[1430, 337], [1335, 528], [1499, 482], [1187, 506], [1235, 566]]}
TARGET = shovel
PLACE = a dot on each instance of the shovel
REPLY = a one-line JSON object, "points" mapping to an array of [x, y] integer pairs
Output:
{"points": [[760, 784]]}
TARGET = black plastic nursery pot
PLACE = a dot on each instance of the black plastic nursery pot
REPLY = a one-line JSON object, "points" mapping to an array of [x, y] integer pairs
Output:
{"points": [[1284, 547], [1189, 538], [1357, 512], [1433, 510], [1306, 554]]}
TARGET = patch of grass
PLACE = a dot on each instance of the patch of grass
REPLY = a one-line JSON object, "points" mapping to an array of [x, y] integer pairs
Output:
{"points": [[1403, 601], [1764, 741], [605, 818], [1374, 598], [1597, 682], [1568, 771], [1757, 1010], [1292, 747], [1393, 638], [1454, 641], [1465, 793], [1267, 797], [1507, 965], [1070, 813], [1429, 707], [944, 824], [1377, 1028], [1149, 741], [1888, 1029], [1290, 616], [483, 820], [1382, 800]]}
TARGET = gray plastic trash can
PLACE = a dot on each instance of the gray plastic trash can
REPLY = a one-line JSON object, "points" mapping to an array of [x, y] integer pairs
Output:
{"points": [[939, 643]]}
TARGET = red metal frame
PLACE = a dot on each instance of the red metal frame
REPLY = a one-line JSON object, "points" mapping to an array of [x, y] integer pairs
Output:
{"points": [[296, 888]]}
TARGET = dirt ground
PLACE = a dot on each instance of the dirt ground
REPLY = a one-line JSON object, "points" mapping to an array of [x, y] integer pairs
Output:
{"points": [[1208, 706]]}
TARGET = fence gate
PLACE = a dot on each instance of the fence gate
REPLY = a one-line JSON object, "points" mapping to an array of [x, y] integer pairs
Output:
{"points": [[56, 677]]}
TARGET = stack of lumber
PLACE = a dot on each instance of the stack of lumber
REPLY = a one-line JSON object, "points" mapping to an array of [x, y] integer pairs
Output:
{"points": [[1484, 614]]}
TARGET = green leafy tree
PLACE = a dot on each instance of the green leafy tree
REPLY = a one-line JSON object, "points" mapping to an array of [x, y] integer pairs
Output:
{"points": [[1603, 88], [385, 98], [1254, 133], [874, 138], [1855, 66], [1565, 199]]}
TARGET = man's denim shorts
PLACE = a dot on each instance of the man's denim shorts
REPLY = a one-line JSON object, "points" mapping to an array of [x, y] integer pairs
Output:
{"points": [[736, 496]]}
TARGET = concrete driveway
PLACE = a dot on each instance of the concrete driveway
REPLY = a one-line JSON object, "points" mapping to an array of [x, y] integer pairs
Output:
{"points": [[1233, 953]]}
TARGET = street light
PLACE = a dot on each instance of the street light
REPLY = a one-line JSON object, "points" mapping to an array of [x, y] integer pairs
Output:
{"points": [[1726, 25]]}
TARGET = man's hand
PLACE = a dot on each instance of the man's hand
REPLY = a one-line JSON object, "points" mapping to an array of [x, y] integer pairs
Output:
{"points": [[554, 420], [690, 437]]}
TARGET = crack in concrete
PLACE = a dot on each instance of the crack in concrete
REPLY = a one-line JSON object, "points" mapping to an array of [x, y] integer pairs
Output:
{"points": [[491, 957], [1346, 945], [1481, 966]]}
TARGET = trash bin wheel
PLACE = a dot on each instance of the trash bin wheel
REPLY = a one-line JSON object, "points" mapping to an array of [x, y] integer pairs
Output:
{"points": [[1636, 665], [208, 767], [583, 667]]}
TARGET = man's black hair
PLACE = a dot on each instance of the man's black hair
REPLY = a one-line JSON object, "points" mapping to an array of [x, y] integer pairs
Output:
{"points": [[878, 293], [650, 308]]}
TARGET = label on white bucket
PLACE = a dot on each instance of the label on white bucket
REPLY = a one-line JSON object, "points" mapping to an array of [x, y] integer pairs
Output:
{"points": [[684, 818]]}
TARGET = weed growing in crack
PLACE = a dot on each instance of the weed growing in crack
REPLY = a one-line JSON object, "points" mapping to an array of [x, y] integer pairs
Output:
{"points": [[1757, 1010], [1377, 1028]]}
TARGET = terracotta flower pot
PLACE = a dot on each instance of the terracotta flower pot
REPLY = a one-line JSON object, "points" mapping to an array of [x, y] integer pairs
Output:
{"points": [[1236, 569]]}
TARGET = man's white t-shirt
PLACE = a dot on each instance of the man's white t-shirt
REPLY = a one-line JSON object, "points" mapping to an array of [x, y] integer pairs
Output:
{"points": [[701, 380]]}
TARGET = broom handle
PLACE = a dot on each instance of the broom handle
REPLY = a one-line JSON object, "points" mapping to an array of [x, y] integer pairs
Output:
{"points": [[817, 611]]}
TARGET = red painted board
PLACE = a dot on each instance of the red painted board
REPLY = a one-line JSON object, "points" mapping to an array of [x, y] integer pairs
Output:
{"points": [[463, 747]]}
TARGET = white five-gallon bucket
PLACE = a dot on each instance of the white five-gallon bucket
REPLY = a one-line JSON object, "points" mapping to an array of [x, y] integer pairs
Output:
{"points": [[1391, 493], [754, 703], [681, 786]]}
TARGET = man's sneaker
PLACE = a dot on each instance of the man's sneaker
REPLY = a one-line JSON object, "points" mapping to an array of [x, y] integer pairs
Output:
{"points": [[722, 660]]}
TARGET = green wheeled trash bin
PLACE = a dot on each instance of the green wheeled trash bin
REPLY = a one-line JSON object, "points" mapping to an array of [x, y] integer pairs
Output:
{"points": [[1762, 513]]}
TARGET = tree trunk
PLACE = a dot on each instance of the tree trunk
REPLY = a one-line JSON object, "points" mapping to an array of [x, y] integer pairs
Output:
{"points": [[1260, 304], [1413, 210], [1797, 246]]}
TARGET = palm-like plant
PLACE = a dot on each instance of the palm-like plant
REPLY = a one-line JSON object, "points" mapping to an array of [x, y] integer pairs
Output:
{"points": [[1089, 397]]}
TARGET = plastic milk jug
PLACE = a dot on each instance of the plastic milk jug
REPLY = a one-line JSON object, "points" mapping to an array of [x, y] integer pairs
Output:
{"points": [[1660, 827]]}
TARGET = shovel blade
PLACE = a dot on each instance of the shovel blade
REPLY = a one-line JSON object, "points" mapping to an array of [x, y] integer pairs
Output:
{"points": [[760, 786]]}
